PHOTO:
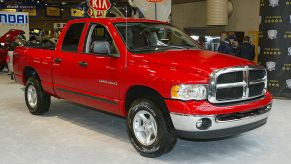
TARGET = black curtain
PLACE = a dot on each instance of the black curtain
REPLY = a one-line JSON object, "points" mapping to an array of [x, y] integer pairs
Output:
{"points": [[275, 45]]}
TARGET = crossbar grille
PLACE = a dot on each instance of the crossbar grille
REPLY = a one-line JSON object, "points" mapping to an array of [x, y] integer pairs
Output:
{"points": [[237, 84]]}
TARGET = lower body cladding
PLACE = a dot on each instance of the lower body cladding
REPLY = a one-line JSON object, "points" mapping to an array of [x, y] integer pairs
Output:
{"points": [[219, 126]]}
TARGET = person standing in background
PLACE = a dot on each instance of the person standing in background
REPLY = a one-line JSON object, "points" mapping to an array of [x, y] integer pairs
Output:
{"points": [[225, 47], [18, 42], [246, 50]]}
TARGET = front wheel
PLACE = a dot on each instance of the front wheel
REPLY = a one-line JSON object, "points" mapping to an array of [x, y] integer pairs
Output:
{"points": [[37, 101], [149, 129]]}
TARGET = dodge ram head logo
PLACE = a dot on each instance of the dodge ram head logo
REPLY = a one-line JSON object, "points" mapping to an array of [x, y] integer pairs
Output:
{"points": [[289, 51], [288, 82], [271, 66], [274, 3], [272, 34]]}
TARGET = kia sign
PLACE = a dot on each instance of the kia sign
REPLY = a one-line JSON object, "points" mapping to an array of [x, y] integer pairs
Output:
{"points": [[99, 5], [98, 8]]}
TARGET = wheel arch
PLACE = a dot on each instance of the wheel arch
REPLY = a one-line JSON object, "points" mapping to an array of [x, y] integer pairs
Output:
{"points": [[28, 72], [142, 91]]}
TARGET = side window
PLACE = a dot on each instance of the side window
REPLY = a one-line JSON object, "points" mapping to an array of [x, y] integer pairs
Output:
{"points": [[72, 37], [99, 34]]}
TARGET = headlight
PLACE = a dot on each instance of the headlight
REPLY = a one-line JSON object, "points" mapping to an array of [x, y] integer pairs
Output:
{"points": [[189, 92]]}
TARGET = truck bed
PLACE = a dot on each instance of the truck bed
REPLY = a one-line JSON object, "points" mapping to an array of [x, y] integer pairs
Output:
{"points": [[41, 47], [34, 57]]}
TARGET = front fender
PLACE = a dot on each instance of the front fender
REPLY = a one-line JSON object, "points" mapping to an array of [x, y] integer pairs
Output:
{"points": [[159, 77]]}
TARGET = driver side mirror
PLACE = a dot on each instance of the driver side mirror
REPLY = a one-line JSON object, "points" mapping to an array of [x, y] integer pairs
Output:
{"points": [[101, 47]]}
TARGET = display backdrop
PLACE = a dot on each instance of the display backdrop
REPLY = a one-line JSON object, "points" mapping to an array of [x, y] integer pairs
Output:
{"points": [[275, 45]]}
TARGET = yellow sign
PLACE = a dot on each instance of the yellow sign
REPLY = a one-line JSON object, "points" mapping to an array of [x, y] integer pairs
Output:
{"points": [[9, 10], [31, 12], [77, 12], [53, 11], [97, 13], [254, 37]]}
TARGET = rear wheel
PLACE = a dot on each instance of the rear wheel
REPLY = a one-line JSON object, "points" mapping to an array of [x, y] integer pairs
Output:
{"points": [[37, 101], [149, 129]]}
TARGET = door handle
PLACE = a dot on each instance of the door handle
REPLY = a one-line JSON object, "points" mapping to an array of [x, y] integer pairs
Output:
{"points": [[83, 64], [58, 60]]}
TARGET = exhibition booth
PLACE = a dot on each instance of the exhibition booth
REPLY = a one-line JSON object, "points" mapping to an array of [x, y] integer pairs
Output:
{"points": [[176, 80]]}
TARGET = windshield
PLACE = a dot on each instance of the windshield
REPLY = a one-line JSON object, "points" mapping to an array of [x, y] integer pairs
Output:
{"points": [[144, 37]]}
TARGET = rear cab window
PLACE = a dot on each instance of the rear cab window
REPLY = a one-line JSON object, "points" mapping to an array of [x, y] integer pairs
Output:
{"points": [[72, 37]]}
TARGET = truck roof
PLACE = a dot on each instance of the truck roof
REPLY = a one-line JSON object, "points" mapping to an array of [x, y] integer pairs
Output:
{"points": [[115, 20]]}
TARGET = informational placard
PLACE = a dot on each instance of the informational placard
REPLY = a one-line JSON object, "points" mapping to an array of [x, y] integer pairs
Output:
{"points": [[53, 11], [275, 45], [31, 12], [9, 10], [59, 25], [77, 12]]}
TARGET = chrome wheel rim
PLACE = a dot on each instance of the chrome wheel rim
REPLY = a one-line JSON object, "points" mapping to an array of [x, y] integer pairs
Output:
{"points": [[145, 128], [31, 96]]}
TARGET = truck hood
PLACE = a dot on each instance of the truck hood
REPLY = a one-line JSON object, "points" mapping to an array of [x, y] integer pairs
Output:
{"points": [[193, 60]]}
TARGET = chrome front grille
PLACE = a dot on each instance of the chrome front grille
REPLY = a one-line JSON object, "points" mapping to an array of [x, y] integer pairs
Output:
{"points": [[237, 84]]}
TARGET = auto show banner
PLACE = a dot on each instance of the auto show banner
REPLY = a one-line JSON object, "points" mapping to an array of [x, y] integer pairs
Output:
{"points": [[275, 45]]}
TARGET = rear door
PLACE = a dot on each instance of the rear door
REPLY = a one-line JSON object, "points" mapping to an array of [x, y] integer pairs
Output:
{"points": [[65, 62]]}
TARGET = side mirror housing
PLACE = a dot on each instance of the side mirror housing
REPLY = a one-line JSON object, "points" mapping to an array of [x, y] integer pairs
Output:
{"points": [[101, 47]]}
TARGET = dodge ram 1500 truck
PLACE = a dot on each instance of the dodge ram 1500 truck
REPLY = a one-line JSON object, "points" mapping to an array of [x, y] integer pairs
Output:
{"points": [[152, 74]]}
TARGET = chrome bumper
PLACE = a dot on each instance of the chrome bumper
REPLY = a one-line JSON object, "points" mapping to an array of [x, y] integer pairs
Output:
{"points": [[187, 123]]}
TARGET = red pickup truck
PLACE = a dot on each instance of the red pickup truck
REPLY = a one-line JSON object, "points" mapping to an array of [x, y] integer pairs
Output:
{"points": [[150, 73]]}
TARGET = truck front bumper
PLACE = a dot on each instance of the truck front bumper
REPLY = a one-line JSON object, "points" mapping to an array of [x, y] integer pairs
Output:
{"points": [[219, 126], [224, 119]]}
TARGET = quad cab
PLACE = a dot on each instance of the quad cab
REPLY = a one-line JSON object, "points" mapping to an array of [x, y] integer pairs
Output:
{"points": [[152, 74]]}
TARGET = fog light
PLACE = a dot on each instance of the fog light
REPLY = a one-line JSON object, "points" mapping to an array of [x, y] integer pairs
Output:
{"points": [[269, 107], [203, 124]]}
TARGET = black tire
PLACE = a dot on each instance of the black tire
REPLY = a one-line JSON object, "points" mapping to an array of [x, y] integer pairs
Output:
{"points": [[166, 135], [12, 76], [43, 99], [2, 68]]}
